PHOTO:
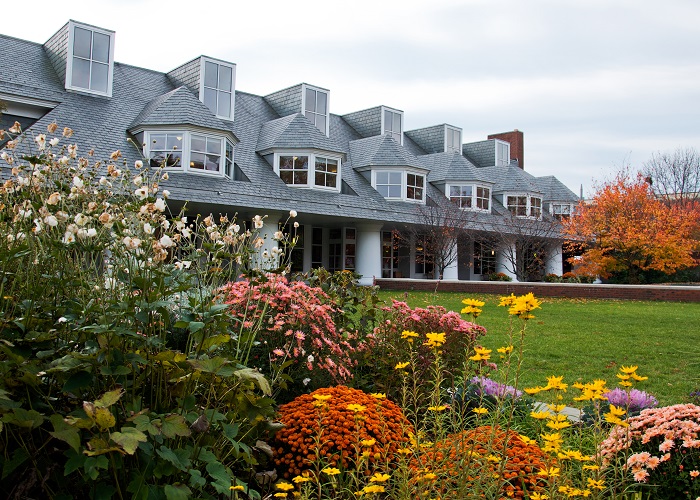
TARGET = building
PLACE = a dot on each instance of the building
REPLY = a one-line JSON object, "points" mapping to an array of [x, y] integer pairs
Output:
{"points": [[353, 179]]}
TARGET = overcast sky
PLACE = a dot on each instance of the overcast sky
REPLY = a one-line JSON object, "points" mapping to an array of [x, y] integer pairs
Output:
{"points": [[593, 84]]}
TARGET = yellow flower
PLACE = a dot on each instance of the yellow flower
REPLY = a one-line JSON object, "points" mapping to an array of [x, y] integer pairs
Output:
{"points": [[523, 305], [473, 302], [618, 411], [331, 471], [437, 408], [540, 415], [473, 307], [623, 376], [556, 408], [356, 408], [379, 478], [557, 426], [551, 472], [628, 370], [435, 339], [482, 354], [480, 411], [401, 366], [368, 442], [625, 383], [507, 301], [284, 486], [407, 335], [378, 395], [638, 378], [404, 451], [237, 487], [533, 390], [373, 488], [302, 479], [280, 495], [493, 458], [555, 382], [428, 476], [592, 483], [322, 397], [591, 467], [527, 440], [505, 350], [538, 496]]}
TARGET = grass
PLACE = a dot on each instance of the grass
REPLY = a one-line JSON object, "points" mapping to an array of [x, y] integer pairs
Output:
{"points": [[585, 339]]}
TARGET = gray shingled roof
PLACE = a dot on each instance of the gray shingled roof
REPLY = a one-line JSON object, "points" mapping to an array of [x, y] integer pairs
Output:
{"points": [[178, 107], [446, 167], [511, 179], [553, 189], [381, 151], [294, 131]]}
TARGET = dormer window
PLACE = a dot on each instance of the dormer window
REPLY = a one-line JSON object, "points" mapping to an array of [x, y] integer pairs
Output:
{"points": [[453, 140], [524, 205], [309, 170], [502, 153], [187, 151], [217, 88], [561, 211], [470, 196], [399, 185], [316, 107], [90, 64], [392, 124]]}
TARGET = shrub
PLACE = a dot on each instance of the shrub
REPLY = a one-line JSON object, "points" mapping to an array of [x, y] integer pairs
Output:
{"points": [[498, 277], [325, 429], [660, 448], [553, 278]]}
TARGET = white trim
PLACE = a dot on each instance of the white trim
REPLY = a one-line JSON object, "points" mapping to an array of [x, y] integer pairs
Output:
{"points": [[404, 182], [495, 153], [311, 173], [446, 147], [186, 150], [69, 58], [528, 203], [202, 64], [475, 187], [383, 109], [305, 86]]}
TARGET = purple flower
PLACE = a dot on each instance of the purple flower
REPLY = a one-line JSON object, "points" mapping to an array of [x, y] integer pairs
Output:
{"points": [[634, 400], [488, 387]]}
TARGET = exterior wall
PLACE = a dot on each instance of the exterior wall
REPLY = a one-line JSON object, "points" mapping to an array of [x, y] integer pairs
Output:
{"points": [[367, 122], [554, 263], [188, 75], [431, 139], [517, 148], [482, 152], [286, 102], [57, 49], [568, 290]]}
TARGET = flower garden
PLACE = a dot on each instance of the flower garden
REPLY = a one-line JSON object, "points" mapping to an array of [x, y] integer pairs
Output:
{"points": [[149, 354]]}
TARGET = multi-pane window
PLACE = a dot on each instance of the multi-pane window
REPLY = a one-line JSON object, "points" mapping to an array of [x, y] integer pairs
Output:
{"points": [[326, 172], [316, 247], [350, 241], [294, 170], [517, 205], [535, 207], [453, 140], [484, 258], [392, 124], [186, 151], [414, 186], [424, 261], [316, 108], [217, 88], [461, 195], [483, 198], [389, 184], [205, 153], [502, 153], [561, 211], [90, 65]]}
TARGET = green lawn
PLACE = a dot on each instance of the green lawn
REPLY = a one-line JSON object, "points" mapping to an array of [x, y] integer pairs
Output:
{"points": [[585, 339]]}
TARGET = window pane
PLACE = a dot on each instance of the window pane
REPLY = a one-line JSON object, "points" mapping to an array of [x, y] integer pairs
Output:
{"points": [[455, 191], [332, 166], [224, 104], [286, 176], [301, 162], [321, 102], [321, 123], [395, 177], [212, 163], [225, 78], [81, 73], [211, 74], [214, 146], [82, 40], [98, 78], [311, 100], [197, 160], [157, 141], [198, 143], [210, 99], [382, 177], [100, 47], [300, 177], [396, 126], [174, 142], [286, 162], [387, 121], [394, 191]]}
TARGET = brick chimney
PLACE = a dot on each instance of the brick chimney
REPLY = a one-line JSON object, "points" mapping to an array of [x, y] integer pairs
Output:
{"points": [[517, 150]]}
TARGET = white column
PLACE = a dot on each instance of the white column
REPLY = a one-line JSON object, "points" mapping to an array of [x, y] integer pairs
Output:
{"points": [[451, 271], [554, 263], [504, 260], [267, 254], [368, 252]]}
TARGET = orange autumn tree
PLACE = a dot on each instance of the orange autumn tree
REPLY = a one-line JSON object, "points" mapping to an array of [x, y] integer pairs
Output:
{"points": [[627, 229]]}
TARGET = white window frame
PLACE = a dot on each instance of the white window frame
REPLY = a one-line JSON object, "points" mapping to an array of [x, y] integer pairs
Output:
{"points": [[203, 61], [72, 25], [529, 206], [404, 184], [398, 136], [473, 198], [498, 161], [559, 215], [306, 87], [311, 172], [226, 165], [449, 137]]}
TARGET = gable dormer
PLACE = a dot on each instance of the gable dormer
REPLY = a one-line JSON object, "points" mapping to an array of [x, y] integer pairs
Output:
{"points": [[380, 120], [313, 102], [213, 81], [442, 138], [83, 57], [489, 153]]}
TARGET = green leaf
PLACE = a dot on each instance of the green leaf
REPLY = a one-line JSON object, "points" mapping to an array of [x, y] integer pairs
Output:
{"points": [[27, 419], [211, 365], [109, 398], [92, 464], [196, 479], [177, 492], [222, 479], [129, 439], [104, 491], [18, 458], [143, 423], [215, 340], [195, 326], [256, 376], [174, 425], [65, 432], [75, 461], [179, 458]]}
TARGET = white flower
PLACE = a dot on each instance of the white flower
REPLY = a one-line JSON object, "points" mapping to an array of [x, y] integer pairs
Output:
{"points": [[278, 235], [258, 242], [54, 141], [166, 241], [186, 233], [148, 229], [81, 219], [138, 164], [64, 160], [138, 180], [110, 283], [306, 381], [166, 193], [142, 192], [185, 264], [54, 198], [78, 182], [160, 204], [310, 358], [296, 224], [131, 243], [103, 181], [265, 254], [236, 228], [257, 222], [41, 141], [62, 319], [292, 213], [165, 176], [68, 238], [51, 221], [92, 232]]}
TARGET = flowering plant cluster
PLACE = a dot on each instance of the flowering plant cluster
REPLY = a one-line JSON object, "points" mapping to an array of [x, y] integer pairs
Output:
{"points": [[487, 387], [295, 323], [339, 427], [633, 400], [659, 447]]}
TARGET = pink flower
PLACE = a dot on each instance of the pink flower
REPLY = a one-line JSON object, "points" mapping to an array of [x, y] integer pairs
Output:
{"points": [[694, 473], [640, 475], [666, 446], [278, 352]]}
